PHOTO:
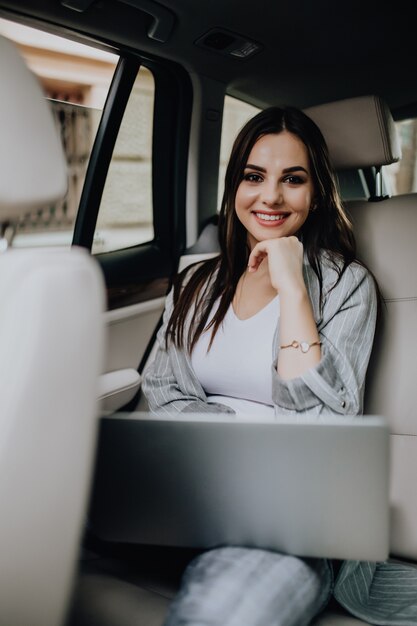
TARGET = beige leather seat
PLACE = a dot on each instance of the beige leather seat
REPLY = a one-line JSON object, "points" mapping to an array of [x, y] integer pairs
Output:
{"points": [[360, 133], [51, 337]]}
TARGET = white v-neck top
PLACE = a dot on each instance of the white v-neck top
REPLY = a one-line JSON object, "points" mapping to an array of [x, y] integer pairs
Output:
{"points": [[237, 369]]}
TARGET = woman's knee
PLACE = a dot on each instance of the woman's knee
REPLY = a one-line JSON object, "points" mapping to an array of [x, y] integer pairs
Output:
{"points": [[235, 586]]}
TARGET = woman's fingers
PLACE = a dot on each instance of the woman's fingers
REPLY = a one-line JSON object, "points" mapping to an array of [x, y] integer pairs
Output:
{"points": [[255, 258], [284, 258]]}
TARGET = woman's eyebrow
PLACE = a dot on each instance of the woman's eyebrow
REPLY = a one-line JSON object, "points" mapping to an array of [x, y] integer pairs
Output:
{"points": [[287, 170], [294, 168], [248, 166]]}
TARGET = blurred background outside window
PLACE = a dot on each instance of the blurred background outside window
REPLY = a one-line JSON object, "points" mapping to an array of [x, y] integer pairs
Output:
{"points": [[76, 79]]}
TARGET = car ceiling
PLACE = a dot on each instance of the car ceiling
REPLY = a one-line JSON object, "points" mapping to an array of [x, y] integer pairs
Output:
{"points": [[311, 52]]}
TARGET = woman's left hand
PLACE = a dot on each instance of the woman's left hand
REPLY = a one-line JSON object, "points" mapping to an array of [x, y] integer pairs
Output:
{"points": [[285, 262]]}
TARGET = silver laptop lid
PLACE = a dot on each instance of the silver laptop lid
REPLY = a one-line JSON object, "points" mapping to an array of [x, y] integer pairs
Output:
{"points": [[309, 488]]}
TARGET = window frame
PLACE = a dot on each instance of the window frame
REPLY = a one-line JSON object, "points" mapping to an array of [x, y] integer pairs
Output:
{"points": [[102, 151], [145, 270]]}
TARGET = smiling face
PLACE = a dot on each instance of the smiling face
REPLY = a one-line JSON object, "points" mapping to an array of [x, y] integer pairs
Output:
{"points": [[276, 192]]}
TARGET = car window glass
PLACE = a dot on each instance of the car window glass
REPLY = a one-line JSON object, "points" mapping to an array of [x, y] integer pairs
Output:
{"points": [[402, 176], [235, 114], [126, 216], [75, 79]]}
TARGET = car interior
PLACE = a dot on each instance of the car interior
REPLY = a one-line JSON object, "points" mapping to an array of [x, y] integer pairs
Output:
{"points": [[113, 182]]}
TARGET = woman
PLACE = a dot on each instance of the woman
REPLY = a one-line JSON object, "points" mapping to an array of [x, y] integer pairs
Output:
{"points": [[282, 321], [288, 256]]}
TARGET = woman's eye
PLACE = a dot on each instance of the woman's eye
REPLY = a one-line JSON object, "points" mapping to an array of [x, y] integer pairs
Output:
{"points": [[294, 180], [252, 178]]}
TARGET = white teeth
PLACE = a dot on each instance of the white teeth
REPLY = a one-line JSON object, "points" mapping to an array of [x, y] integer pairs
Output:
{"points": [[270, 218]]}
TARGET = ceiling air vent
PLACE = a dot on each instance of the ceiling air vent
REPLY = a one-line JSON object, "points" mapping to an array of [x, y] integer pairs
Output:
{"points": [[229, 44]]}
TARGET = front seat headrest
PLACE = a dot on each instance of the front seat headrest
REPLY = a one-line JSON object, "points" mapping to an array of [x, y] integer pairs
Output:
{"points": [[33, 170]]}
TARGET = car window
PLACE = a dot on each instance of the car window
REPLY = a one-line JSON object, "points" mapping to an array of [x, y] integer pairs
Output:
{"points": [[235, 114], [402, 176], [76, 79], [125, 214]]}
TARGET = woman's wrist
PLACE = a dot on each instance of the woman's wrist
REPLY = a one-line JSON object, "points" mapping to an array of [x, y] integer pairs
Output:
{"points": [[293, 291]]}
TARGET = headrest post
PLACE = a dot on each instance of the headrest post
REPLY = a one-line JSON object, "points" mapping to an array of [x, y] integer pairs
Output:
{"points": [[7, 233], [378, 182]]}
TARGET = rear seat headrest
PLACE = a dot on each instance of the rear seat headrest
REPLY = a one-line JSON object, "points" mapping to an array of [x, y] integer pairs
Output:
{"points": [[360, 132], [32, 162]]}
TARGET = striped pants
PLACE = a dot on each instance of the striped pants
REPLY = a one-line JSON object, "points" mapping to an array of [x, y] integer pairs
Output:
{"points": [[235, 586]]}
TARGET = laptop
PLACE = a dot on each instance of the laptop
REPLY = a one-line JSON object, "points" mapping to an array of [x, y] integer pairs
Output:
{"points": [[312, 488]]}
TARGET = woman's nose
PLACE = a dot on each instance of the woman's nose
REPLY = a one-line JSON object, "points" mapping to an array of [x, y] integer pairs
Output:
{"points": [[272, 194]]}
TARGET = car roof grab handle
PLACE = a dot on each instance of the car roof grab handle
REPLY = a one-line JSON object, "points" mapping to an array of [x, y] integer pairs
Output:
{"points": [[77, 5], [162, 18]]}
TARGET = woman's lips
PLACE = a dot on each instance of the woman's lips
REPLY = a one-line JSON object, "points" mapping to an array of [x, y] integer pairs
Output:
{"points": [[270, 219]]}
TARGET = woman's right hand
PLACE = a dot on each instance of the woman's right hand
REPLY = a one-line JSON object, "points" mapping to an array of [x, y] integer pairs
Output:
{"points": [[285, 262]]}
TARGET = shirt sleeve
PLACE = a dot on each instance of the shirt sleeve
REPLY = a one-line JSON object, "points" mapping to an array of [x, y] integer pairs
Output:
{"points": [[169, 384], [346, 331], [383, 592]]}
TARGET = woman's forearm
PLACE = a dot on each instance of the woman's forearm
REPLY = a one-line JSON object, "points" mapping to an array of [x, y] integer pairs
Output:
{"points": [[297, 324]]}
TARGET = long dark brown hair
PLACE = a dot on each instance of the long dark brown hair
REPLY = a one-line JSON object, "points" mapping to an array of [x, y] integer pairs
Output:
{"points": [[326, 228]]}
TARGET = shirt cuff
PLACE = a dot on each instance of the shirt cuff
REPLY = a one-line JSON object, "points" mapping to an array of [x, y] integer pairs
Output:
{"points": [[318, 385]]}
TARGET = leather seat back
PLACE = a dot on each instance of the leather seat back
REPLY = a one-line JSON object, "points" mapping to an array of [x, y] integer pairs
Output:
{"points": [[385, 230], [386, 233], [52, 342]]}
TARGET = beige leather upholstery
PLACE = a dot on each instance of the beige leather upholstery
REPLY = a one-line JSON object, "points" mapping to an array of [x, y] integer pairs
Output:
{"points": [[386, 234], [51, 337], [117, 388], [359, 132], [51, 341], [385, 231], [128, 332], [28, 181]]}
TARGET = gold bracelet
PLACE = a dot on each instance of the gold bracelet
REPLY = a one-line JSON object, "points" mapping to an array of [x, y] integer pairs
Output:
{"points": [[303, 345]]}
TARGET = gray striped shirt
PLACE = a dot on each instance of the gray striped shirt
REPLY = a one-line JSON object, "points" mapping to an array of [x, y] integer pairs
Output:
{"points": [[346, 324]]}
